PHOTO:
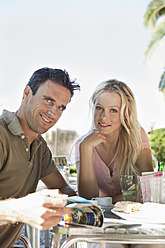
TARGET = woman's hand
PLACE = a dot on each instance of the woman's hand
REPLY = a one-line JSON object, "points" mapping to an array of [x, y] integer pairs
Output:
{"points": [[93, 139]]}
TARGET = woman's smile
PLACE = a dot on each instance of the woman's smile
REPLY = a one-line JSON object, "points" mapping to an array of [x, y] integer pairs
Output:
{"points": [[104, 125]]}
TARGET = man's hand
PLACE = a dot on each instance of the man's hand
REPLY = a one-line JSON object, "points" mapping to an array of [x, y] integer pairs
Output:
{"points": [[42, 209]]}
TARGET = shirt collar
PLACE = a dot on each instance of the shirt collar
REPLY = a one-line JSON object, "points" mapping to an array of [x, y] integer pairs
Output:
{"points": [[13, 123]]}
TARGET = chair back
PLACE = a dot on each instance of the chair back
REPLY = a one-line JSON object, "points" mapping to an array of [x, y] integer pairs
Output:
{"points": [[61, 163]]}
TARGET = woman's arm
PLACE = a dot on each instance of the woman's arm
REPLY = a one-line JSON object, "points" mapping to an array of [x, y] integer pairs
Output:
{"points": [[144, 161], [86, 175], [117, 198]]}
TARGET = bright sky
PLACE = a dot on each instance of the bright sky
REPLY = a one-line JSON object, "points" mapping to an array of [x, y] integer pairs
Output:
{"points": [[93, 40]]}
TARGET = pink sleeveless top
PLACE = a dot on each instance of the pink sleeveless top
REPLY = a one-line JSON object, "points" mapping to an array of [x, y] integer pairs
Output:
{"points": [[108, 186]]}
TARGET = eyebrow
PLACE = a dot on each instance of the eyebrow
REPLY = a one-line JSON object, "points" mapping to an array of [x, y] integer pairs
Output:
{"points": [[114, 106], [49, 98]]}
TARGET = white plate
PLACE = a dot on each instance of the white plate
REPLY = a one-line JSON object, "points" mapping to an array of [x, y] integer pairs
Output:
{"points": [[140, 217]]}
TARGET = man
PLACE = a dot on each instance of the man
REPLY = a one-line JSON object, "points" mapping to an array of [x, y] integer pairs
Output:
{"points": [[25, 157]]}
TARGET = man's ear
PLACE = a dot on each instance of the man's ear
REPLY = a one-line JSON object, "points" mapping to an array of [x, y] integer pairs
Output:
{"points": [[27, 92]]}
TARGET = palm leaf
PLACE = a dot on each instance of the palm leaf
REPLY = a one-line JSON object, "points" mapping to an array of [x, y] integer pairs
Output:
{"points": [[155, 10], [158, 34], [162, 81]]}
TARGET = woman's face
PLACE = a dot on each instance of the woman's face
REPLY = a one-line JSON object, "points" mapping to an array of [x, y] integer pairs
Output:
{"points": [[107, 113]]}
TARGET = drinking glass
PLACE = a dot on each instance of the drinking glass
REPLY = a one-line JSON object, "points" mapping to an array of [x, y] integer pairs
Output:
{"points": [[129, 186]]}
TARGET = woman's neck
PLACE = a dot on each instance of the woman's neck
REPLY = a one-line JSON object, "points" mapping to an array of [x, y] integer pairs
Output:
{"points": [[111, 140]]}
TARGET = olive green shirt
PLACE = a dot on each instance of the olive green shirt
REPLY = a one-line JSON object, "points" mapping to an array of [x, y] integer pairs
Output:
{"points": [[21, 167]]}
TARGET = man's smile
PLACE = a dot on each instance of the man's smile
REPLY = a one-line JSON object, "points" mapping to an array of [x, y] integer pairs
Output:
{"points": [[45, 119]]}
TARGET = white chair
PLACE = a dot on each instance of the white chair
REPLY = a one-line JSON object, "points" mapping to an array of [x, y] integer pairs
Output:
{"points": [[25, 241]]}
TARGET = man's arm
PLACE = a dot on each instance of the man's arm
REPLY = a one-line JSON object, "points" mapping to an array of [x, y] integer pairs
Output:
{"points": [[41, 210], [56, 181]]}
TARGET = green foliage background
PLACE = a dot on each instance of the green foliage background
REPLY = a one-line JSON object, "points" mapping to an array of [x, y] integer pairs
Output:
{"points": [[73, 171], [157, 141]]}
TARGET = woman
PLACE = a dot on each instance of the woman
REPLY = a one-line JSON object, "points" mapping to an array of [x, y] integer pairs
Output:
{"points": [[115, 145]]}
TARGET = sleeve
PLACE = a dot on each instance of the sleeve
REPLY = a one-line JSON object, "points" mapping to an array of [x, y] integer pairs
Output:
{"points": [[145, 140], [77, 152]]}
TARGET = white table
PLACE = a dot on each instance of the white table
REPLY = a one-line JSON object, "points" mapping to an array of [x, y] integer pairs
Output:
{"points": [[144, 234]]}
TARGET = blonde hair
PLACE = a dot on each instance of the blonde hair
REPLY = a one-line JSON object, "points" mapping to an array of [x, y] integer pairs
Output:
{"points": [[129, 140]]}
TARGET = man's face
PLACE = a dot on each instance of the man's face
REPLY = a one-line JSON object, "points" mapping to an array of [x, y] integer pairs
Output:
{"points": [[45, 107]]}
